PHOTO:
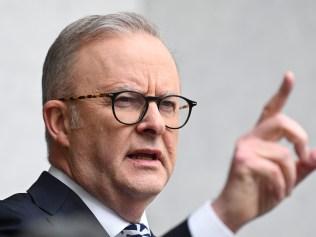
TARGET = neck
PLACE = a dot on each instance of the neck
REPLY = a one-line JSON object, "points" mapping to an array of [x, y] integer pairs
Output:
{"points": [[129, 208]]}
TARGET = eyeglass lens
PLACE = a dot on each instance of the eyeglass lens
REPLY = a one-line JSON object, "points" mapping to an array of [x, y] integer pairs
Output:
{"points": [[129, 108]]}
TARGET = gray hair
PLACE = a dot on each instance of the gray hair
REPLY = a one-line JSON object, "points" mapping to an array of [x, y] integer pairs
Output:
{"points": [[57, 70], [56, 78]]}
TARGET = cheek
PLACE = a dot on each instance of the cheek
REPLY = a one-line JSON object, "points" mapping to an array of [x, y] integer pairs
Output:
{"points": [[102, 139], [111, 142], [102, 157], [171, 142]]}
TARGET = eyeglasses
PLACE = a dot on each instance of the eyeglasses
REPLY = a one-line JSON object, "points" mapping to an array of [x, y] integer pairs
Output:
{"points": [[130, 107]]}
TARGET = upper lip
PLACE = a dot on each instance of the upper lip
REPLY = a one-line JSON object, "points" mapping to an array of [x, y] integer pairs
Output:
{"points": [[157, 154]]}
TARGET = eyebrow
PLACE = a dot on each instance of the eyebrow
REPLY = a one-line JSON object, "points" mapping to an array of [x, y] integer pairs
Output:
{"points": [[129, 88]]}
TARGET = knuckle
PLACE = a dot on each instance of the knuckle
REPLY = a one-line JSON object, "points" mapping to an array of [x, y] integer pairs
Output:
{"points": [[304, 137], [241, 157], [274, 173], [281, 118], [241, 149], [244, 149]]}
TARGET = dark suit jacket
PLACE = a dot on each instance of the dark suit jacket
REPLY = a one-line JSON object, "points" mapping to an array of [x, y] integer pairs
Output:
{"points": [[51, 209]]}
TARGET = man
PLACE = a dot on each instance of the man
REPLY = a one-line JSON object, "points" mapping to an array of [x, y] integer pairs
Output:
{"points": [[112, 109]]}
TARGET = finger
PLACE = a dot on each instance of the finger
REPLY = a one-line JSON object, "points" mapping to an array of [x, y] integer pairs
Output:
{"points": [[277, 102], [281, 126], [281, 157], [304, 168], [270, 178]]}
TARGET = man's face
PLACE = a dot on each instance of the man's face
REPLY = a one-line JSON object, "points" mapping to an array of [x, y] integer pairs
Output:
{"points": [[110, 159]]}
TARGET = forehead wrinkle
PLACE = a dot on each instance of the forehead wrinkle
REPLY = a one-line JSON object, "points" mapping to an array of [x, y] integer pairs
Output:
{"points": [[115, 86], [161, 78], [146, 73]]}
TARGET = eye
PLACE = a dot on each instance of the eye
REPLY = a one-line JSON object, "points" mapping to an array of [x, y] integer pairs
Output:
{"points": [[129, 100], [168, 105]]}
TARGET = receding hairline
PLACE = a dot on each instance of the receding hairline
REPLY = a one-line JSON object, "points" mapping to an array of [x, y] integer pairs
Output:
{"points": [[102, 38], [59, 58]]}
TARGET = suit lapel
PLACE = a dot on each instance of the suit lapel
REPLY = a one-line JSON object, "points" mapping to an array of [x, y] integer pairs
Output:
{"points": [[65, 209]]}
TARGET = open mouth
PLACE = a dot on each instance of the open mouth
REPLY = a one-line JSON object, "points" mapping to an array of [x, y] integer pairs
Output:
{"points": [[142, 156], [145, 155]]}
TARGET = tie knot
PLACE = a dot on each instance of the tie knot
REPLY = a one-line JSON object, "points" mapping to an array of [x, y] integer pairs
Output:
{"points": [[135, 230]]}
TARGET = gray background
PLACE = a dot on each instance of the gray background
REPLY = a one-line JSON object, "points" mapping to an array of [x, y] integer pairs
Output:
{"points": [[232, 55]]}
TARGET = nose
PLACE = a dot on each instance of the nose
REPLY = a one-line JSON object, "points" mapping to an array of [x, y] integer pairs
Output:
{"points": [[152, 123]]}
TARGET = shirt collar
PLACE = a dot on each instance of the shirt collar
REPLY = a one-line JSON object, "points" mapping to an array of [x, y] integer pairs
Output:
{"points": [[110, 221]]}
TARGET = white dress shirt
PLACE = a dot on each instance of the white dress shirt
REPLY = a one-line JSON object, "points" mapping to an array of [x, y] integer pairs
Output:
{"points": [[203, 222], [110, 221]]}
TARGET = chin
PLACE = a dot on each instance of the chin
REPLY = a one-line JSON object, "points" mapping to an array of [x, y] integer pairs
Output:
{"points": [[146, 187]]}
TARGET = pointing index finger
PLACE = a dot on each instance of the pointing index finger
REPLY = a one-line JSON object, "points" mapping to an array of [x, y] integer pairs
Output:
{"points": [[277, 102]]}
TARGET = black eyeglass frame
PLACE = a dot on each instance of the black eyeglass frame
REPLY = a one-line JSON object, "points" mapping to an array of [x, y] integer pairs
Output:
{"points": [[148, 99]]}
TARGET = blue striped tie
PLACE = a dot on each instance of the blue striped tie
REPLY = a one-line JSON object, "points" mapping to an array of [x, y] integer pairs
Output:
{"points": [[135, 230]]}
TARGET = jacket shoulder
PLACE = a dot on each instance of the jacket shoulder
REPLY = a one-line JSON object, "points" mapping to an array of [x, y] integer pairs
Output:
{"points": [[15, 212]]}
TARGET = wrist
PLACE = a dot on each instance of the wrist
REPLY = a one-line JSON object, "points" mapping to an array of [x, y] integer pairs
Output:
{"points": [[229, 215]]}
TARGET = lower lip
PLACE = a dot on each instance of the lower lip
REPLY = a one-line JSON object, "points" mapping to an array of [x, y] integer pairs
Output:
{"points": [[145, 163]]}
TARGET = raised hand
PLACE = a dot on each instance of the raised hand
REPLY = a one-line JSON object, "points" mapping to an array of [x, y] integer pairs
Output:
{"points": [[263, 172]]}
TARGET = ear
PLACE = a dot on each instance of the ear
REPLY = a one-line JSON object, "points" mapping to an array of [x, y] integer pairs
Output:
{"points": [[57, 121]]}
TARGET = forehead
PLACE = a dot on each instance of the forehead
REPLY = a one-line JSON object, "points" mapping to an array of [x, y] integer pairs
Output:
{"points": [[135, 61]]}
